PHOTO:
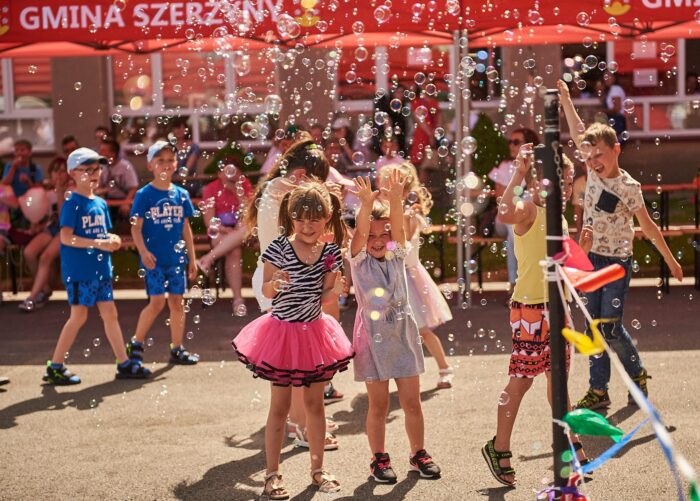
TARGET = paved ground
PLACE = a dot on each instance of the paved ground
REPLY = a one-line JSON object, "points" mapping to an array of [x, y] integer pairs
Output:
{"points": [[196, 433]]}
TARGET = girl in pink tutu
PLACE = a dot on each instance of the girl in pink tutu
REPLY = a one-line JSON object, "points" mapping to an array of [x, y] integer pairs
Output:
{"points": [[427, 302], [386, 338], [296, 344]]}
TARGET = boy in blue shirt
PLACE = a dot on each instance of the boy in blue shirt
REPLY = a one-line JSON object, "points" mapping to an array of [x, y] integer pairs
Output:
{"points": [[86, 265], [162, 234]]}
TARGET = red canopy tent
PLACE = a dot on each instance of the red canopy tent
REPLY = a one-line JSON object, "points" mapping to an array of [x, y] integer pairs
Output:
{"points": [[74, 27]]}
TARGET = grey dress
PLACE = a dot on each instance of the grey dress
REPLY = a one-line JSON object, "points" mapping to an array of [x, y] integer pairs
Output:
{"points": [[385, 338]]}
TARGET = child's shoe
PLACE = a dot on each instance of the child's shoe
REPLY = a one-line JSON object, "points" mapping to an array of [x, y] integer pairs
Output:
{"points": [[592, 400], [445, 378], [331, 395], [423, 463], [179, 355], [59, 375], [381, 469], [132, 369], [641, 382], [134, 350]]}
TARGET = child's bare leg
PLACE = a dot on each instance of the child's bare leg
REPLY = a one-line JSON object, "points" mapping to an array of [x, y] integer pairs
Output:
{"points": [[148, 316], [78, 316], [177, 318], [110, 319], [33, 250], [234, 272], [297, 413], [226, 245], [378, 396], [280, 399], [434, 346], [315, 423], [42, 278], [409, 397], [508, 405]]}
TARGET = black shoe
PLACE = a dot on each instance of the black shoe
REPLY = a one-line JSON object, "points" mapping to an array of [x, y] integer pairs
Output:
{"points": [[423, 463], [4, 381], [179, 355], [641, 382], [381, 469], [60, 375], [134, 350], [132, 370], [331, 395]]}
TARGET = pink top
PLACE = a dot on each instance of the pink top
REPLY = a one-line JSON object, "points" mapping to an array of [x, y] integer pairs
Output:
{"points": [[225, 200]]}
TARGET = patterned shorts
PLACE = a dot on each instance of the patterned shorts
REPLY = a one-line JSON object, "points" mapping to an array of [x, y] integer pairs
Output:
{"points": [[162, 279], [531, 355], [89, 292]]}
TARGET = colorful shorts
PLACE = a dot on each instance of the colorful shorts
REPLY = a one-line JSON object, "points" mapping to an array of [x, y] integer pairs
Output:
{"points": [[162, 279], [531, 354], [89, 292]]}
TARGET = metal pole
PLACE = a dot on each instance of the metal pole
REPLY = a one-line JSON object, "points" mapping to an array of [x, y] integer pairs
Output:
{"points": [[462, 164], [551, 157]]}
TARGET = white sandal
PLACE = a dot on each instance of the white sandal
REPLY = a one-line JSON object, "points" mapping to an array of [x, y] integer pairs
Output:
{"points": [[445, 378], [301, 441], [277, 490], [328, 483], [331, 426]]}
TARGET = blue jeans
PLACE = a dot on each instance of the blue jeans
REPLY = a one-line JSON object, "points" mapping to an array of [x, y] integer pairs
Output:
{"points": [[609, 302]]}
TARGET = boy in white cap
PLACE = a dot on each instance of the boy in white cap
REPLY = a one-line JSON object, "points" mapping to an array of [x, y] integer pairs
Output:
{"points": [[162, 234], [86, 265]]}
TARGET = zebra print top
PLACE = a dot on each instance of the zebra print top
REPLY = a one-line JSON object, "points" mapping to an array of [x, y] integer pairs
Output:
{"points": [[301, 301]]}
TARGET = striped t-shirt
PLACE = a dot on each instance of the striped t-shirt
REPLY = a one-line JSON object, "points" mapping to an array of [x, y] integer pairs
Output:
{"points": [[301, 301]]}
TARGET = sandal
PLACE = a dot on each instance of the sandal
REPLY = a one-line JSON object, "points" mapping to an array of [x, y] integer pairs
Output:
{"points": [[328, 484], [331, 426], [578, 446], [300, 440], [239, 307], [493, 458], [273, 490], [445, 378]]}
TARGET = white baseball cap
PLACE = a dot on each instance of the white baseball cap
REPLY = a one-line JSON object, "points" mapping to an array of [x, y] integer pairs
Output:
{"points": [[157, 147], [84, 156]]}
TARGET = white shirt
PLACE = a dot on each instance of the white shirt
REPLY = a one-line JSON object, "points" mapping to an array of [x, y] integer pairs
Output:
{"points": [[614, 91]]}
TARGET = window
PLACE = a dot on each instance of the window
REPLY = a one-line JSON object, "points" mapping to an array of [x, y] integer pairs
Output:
{"points": [[647, 68], [132, 80], [32, 83]]}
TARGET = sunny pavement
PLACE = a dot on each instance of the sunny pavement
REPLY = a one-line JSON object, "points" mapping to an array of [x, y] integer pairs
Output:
{"points": [[196, 433]]}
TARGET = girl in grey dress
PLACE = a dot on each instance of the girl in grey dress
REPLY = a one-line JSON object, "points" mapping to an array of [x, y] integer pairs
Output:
{"points": [[386, 340]]}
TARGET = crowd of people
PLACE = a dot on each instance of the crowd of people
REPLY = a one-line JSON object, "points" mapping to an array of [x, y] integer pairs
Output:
{"points": [[322, 223]]}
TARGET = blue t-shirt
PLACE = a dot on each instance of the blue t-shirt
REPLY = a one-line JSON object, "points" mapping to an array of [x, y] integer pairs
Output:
{"points": [[164, 213], [20, 187], [89, 218]]}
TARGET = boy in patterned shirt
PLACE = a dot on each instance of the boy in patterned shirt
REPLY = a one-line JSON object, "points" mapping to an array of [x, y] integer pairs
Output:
{"points": [[612, 200], [86, 248], [162, 234]]}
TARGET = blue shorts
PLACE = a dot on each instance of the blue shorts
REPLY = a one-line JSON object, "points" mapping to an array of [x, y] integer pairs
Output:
{"points": [[89, 292], [162, 279]]}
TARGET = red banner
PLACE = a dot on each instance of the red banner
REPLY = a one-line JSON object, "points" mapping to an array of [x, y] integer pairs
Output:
{"points": [[95, 21]]}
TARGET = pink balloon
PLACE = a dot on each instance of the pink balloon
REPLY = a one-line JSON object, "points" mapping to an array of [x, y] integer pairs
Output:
{"points": [[34, 204]]}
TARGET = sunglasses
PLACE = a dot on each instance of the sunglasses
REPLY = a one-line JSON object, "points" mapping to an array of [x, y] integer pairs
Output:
{"points": [[89, 170], [515, 142]]}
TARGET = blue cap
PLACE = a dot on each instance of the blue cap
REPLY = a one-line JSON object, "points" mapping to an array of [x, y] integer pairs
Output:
{"points": [[157, 147], [84, 156]]}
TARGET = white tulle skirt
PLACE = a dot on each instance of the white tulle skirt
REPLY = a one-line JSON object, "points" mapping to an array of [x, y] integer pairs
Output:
{"points": [[430, 309]]}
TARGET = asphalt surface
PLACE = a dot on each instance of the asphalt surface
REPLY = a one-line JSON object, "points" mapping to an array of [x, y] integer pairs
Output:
{"points": [[196, 433]]}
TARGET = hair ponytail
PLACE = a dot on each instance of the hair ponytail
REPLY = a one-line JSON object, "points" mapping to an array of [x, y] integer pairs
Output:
{"points": [[284, 219], [336, 223]]}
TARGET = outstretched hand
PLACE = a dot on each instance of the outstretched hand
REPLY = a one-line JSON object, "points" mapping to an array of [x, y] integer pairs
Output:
{"points": [[395, 185], [363, 189], [563, 90], [523, 161]]}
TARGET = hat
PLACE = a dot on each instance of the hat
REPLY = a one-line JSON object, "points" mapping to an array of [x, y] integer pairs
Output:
{"points": [[84, 156], [340, 123], [157, 147]]}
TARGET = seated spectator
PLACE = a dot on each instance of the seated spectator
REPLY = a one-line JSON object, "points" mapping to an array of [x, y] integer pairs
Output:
{"points": [[343, 135], [223, 199], [68, 145], [118, 180], [22, 173], [7, 201], [187, 157], [42, 253]]}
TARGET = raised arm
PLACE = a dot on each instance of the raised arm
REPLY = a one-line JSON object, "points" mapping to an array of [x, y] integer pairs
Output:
{"points": [[362, 222], [576, 125], [395, 195], [513, 208]]}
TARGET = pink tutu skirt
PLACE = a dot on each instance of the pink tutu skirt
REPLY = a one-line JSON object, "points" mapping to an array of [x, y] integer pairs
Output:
{"points": [[293, 353], [429, 307]]}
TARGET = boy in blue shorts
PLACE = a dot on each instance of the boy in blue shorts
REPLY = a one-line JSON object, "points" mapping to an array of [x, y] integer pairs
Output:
{"points": [[86, 264], [162, 234], [612, 200]]}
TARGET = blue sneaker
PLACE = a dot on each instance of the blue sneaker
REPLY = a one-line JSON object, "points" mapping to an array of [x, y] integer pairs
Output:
{"points": [[60, 375], [179, 355]]}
